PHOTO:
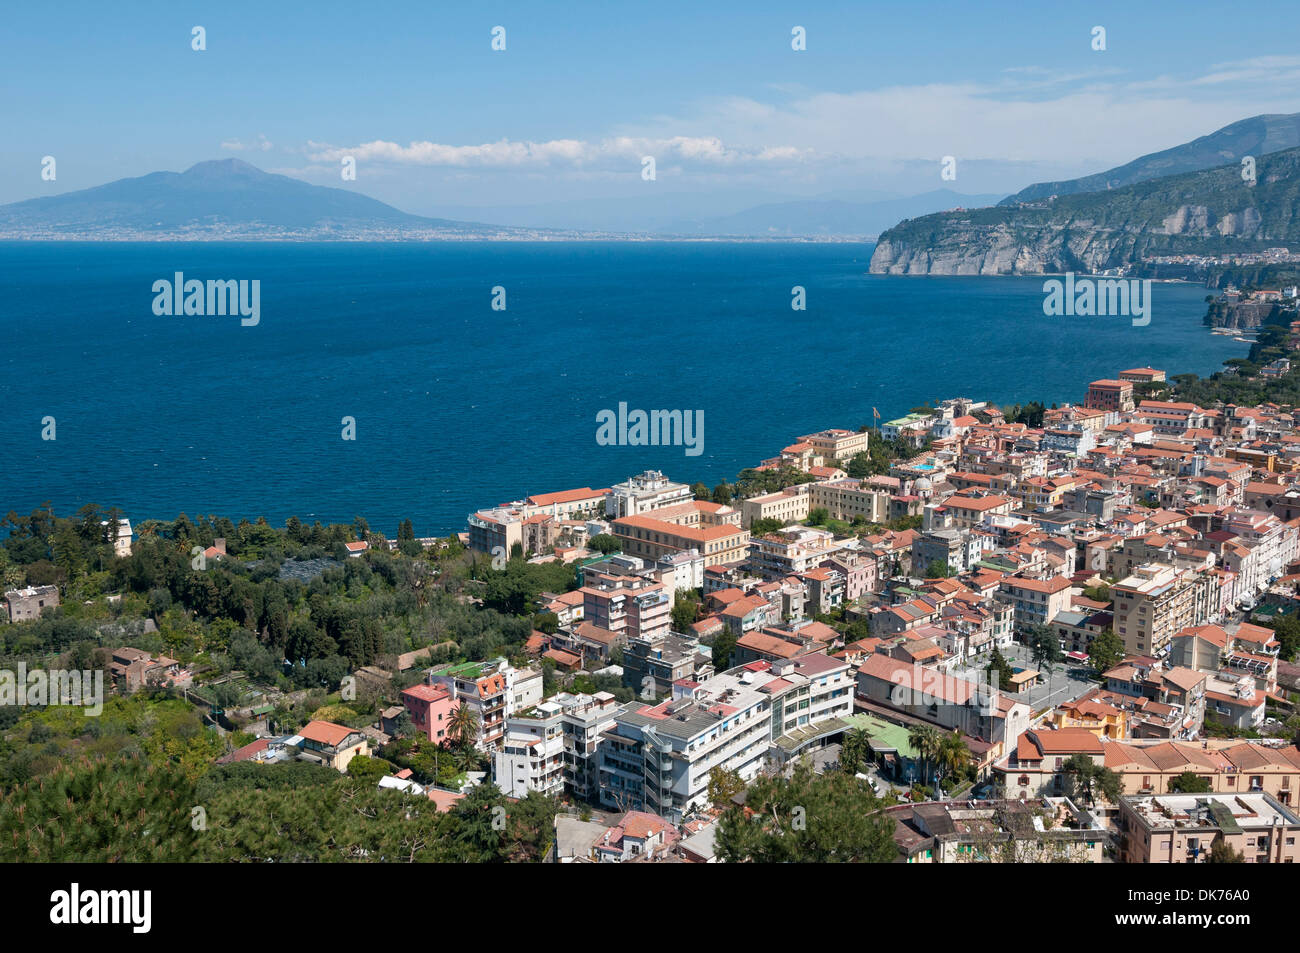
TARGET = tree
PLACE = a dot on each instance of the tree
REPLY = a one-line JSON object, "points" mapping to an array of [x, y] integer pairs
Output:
{"points": [[953, 756], [463, 726], [761, 527], [1221, 852], [685, 611], [1045, 647], [724, 784], [604, 543], [807, 818], [1189, 783], [700, 491], [1087, 779], [722, 494], [366, 769], [100, 811], [1105, 651], [724, 643], [855, 749], [927, 741], [938, 569], [818, 516], [998, 666]]}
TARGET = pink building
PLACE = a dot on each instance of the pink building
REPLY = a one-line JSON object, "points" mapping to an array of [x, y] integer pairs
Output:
{"points": [[430, 707]]}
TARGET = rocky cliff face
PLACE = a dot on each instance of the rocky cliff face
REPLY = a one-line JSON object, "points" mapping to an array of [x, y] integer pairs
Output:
{"points": [[1202, 212]]}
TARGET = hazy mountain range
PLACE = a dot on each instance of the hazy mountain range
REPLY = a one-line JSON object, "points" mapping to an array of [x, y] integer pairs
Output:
{"points": [[228, 198]]}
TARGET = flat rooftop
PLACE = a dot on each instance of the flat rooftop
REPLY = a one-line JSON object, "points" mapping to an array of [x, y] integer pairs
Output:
{"points": [[1230, 813]]}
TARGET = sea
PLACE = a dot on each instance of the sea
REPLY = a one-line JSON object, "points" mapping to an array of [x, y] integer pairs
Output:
{"points": [[470, 374]]}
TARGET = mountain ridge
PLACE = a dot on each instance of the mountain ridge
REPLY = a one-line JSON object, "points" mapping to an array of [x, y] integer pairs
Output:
{"points": [[1207, 212]]}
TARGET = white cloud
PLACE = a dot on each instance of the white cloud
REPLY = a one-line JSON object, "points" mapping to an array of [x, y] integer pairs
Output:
{"points": [[506, 153], [235, 145]]}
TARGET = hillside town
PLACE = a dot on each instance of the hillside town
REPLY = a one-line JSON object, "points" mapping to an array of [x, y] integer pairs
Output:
{"points": [[1163, 532], [1071, 638]]}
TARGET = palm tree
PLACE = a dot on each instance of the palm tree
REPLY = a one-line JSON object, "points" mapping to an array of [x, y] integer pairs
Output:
{"points": [[925, 740], [953, 755], [854, 749], [463, 725]]}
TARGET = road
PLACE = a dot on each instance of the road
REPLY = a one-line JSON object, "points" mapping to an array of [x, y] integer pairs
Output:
{"points": [[1067, 682]]}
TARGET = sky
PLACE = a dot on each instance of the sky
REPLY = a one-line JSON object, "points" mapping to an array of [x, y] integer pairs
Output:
{"points": [[439, 122]]}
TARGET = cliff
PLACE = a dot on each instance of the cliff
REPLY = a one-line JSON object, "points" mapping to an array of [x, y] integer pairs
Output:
{"points": [[1208, 212]]}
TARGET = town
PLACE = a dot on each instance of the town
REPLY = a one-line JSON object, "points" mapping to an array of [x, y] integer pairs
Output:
{"points": [[1063, 633]]}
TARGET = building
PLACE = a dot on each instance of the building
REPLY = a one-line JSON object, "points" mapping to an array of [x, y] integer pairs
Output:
{"points": [[1184, 828], [132, 669], [790, 505], [653, 539], [324, 742], [28, 603], [849, 499], [790, 551], [975, 709], [658, 757], [494, 689], [1110, 395], [839, 446], [431, 708], [530, 756], [1036, 601], [645, 493], [1151, 605], [652, 665], [955, 832], [628, 606]]}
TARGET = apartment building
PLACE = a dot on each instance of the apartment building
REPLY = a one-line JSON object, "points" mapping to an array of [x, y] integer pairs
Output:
{"points": [[1183, 828], [790, 505], [848, 499], [495, 689], [1153, 604], [658, 757], [530, 755], [790, 551], [653, 539], [839, 446], [1110, 395], [645, 493], [652, 665], [958, 550], [628, 606], [1036, 601]]}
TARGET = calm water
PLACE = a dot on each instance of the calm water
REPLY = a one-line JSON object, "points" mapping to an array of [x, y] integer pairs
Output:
{"points": [[458, 406]]}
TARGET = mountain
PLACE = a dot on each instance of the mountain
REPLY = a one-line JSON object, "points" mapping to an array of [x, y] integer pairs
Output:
{"points": [[1256, 136], [223, 198], [1207, 212], [825, 217], [734, 213]]}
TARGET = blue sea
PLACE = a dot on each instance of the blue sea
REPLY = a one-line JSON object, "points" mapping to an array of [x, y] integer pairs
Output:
{"points": [[459, 406]]}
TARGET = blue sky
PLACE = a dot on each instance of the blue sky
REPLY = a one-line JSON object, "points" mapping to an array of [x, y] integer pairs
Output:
{"points": [[438, 120]]}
